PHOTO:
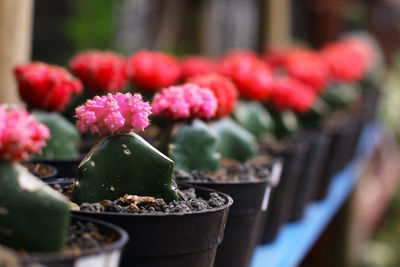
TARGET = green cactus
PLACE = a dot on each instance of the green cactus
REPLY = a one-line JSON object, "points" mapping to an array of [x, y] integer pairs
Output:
{"points": [[254, 117], [313, 118], [64, 138], [194, 147], [286, 122], [33, 217], [340, 95], [124, 164], [234, 141]]}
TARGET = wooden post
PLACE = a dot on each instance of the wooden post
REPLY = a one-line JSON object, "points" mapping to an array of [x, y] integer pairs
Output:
{"points": [[15, 47], [276, 22]]}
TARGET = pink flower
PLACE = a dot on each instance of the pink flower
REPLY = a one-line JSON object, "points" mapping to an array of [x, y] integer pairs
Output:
{"points": [[224, 90], [20, 134], [113, 114], [184, 101]]}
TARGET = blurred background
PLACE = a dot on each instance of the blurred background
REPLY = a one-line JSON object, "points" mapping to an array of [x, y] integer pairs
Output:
{"points": [[204, 26], [210, 27]]}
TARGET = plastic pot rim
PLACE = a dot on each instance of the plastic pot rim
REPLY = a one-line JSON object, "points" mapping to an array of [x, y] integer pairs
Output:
{"points": [[52, 175], [116, 245]]}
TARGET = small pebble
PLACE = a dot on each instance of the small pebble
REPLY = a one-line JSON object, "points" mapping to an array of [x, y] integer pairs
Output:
{"points": [[74, 206], [96, 207]]}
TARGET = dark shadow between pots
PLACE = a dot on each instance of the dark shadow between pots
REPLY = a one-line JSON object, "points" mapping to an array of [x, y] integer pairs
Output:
{"points": [[310, 172], [281, 197], [65, 167]]}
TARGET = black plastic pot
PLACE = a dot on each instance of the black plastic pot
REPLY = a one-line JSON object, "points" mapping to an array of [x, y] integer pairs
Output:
{"points": [[318, 143], [242, 227], [337, 157], [65, 167], [106, 256], [32, 166], [170, 240], [370, 97], [281, 197], [354, 127]]}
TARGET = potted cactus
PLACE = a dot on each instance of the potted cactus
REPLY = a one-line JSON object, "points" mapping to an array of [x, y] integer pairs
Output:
{"points": [[343, 98], [46, 90], [211, 155], [268, 109], [35, 218], [101, 72], [300, 172], [126, 181]]}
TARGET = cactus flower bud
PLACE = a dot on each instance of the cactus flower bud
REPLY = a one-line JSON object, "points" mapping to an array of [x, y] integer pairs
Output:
{"points": [[224, 90], [20, 134], [308, 67], [44, 86], [152, 71], [185, 101], [345, 63], [113, 114], [195, 65], [292, 94], [100, 72], [252, 76]]}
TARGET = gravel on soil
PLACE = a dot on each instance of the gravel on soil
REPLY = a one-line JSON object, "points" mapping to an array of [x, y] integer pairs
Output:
{"points": [[231, 170]]}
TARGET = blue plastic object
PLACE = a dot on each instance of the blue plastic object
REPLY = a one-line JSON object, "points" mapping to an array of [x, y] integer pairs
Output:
{"points": [[296, 239]]}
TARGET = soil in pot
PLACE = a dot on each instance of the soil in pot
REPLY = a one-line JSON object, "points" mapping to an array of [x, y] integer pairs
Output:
{"points": [[43, 171], [249, 184], [88, 242], [181, 233], [293, 152]]}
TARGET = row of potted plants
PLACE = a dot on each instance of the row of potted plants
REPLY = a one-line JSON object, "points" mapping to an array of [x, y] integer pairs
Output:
{"points": [[268, 131]]}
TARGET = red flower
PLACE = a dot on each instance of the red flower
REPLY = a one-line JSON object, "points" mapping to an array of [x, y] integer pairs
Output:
{"points": [[223, 89], [194, 65], [100, 72], [307, 66], [292, 94], [45, 86], [274, 56], [363, 48], [252, 77], [152, 70], [345, 64]]}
